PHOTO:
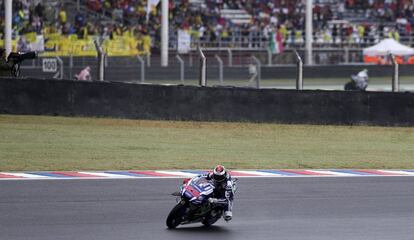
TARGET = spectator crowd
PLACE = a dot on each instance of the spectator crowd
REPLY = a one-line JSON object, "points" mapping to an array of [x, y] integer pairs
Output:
{"points": [[335, 22]]}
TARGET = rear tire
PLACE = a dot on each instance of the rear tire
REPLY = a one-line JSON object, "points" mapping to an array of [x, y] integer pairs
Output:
{"points": [[210, 220], [176, 215]]}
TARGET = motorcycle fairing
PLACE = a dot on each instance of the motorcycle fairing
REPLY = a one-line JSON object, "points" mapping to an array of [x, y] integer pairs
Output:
{"points": [[197, 189]]}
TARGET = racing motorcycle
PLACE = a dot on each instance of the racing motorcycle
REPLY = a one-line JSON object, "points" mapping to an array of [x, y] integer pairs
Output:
{"points": [[196, 203], [358, 82]]}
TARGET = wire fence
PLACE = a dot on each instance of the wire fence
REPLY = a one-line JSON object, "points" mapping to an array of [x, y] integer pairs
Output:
{"points": [[223, 68]]}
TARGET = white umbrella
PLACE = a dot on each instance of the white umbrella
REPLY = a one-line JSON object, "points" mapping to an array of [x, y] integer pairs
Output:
{"points": [[388, 46]]}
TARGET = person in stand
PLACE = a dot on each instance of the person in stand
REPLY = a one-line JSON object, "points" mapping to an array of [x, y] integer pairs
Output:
{"points": [[252, 74], [85, 74]]}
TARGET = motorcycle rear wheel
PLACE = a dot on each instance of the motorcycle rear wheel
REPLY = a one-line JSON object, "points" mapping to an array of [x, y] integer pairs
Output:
{"points": [[210, 220], [176, 215]]}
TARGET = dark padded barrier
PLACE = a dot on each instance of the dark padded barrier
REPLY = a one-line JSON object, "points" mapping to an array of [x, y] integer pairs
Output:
{"points": [[121, 100]]}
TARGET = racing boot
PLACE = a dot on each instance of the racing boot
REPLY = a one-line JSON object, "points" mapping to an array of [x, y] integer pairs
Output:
{"points": [[228, 215]]}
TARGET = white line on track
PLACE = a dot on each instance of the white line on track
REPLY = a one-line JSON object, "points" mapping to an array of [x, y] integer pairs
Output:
{"points": [[260, 174], [106, 175], [26, 175], [178, 173], [397, 172], [333, 173]]}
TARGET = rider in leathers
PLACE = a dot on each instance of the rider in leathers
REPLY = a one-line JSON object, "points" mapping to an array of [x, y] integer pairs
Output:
{"points": [[223, 190]]}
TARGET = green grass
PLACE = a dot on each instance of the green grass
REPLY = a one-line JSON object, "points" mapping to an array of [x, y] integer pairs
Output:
{"points": [[58, 143]]}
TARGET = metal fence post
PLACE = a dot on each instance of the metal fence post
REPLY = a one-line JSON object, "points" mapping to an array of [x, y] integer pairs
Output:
{"points": [[101, 61], [148, 59], [181, 68], [395, 76], [346, 49], [220, 62], [70, 66], [269, 57], [299, 75], [202, 80], [59, 75], [259, 71], [142, 62], [230, 56], [190, 58]]}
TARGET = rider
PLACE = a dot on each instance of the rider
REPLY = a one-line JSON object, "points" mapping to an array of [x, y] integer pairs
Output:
{"points": [[361, 80], [223, 188]]}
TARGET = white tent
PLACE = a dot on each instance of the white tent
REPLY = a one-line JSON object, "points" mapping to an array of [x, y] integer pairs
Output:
{"points": [[388, 46]]}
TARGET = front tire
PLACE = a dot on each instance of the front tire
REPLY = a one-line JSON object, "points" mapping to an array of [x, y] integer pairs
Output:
{"points": [[350, 86], [176, 215]]}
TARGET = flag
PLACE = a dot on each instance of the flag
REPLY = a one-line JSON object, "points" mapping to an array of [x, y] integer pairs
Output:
{"points": [[273, 45], [151, 4], [184, 42], [276, 42]]}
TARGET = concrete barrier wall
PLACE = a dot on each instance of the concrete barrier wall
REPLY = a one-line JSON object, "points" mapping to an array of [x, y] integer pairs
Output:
{"points": [[120, 100]]}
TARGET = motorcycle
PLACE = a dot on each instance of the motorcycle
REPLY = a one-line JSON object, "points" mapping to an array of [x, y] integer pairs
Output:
{"points": [[196, 203], [351, 86], [357, 83]]}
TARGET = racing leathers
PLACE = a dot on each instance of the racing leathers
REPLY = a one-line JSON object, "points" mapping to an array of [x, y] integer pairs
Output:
{"points": [[361, 80], [223, 191]]}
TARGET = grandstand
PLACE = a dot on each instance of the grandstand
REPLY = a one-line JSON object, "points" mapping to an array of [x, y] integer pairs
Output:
{"points": [[129, 28]]}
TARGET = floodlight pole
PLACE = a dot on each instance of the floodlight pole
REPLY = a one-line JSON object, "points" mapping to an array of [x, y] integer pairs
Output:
{"points": [[164, 33], [8, 26], [309, 32]]}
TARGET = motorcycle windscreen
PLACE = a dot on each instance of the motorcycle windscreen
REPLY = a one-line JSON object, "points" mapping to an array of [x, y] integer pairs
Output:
{"points": [[197, 190]]}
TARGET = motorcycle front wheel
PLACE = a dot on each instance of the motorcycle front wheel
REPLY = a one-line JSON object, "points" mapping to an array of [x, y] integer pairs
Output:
{"points": [[210, 220], [176, 215], [350, 86]]}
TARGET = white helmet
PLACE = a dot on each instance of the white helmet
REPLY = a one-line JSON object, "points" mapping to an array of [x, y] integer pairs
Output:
{"points": [[219, 173]]}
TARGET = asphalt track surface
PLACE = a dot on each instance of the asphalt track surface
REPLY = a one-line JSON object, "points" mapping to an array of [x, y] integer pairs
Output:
{"points": [[265, 208]]}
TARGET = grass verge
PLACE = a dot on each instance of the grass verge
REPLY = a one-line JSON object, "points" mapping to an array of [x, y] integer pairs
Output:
{"points": [[58, 143]]}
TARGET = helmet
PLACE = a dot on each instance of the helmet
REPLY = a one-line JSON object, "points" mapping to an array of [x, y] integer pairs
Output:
{"points": [[219, 173]]}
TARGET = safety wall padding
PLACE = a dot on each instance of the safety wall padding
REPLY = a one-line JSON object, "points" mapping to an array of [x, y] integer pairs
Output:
{"points": [[191, 103]]}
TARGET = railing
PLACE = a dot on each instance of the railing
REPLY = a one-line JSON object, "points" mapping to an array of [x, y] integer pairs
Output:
{"points": [[260, 41], [236, 76]]}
